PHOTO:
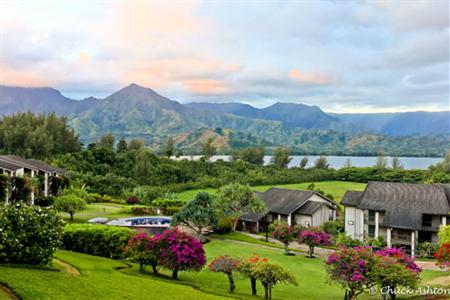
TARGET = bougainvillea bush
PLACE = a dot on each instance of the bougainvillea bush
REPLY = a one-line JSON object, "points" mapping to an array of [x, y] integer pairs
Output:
{"points": [[225, 264], [143, 249], [180, 251], [443, 255], [401, 257], [29, 234], [314, 238], [358, 269], [285, 234], [353, 268]]}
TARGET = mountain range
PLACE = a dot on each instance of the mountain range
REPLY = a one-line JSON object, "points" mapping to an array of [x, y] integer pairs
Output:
{"points": [[138, 112]]}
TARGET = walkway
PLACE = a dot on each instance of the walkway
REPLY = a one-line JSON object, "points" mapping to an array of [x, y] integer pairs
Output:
{"points": [[322, 252]]}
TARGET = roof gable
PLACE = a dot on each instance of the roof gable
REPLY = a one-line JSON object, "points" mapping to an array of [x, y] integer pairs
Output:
{"points": [[284, 201], [352, 198]]}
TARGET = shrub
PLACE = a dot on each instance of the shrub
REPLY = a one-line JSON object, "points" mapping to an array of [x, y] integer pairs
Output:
{"points": [[106, 241], [132, 200], [314, 238], [443, 255], [353, 268], [444, 234], [166, 202], [20, 189], [375, 242], [29, 235], [343, 240], [180, 252], [69, 203], [401, 257], [143, 249], [285, 234], [272, 274], [224, 225], [245, 267], [44, 201], [333, 227], [225, 264]]}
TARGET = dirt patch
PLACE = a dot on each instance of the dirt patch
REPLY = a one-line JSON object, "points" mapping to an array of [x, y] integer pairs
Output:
{"points": [[7, 292], [70, 270]]}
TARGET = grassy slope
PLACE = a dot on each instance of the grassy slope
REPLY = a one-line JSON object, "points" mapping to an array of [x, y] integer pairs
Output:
{"points": [[335, 188], [99, 279]]}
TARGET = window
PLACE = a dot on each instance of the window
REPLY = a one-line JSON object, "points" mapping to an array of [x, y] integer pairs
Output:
{"points": [[371, 216], [427, 220], [372, 231]]}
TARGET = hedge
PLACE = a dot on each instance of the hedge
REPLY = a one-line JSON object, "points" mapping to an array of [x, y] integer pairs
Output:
{"points": [[153, 211], [100, 240]]}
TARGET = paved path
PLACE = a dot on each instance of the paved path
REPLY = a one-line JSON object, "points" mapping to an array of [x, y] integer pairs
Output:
{"points": [[317, 250]]}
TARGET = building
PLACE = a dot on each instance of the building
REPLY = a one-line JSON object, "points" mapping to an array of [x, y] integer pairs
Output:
{"points": [[12, 166], [307, 208], [403, 214]]}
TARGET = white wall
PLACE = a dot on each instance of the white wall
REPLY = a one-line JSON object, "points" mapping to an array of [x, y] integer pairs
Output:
{"points": [[303, 220], [354, 222]]}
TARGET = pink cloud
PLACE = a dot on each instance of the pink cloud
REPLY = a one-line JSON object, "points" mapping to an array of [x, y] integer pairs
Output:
{"points": [[310, 77], [206, 86]]}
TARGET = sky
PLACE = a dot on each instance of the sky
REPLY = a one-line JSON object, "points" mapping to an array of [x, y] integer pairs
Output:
{"points": [[343, 56]]}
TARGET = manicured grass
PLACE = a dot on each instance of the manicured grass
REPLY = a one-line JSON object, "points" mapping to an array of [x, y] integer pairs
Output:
{"points": [[105, 210], [101, 279], [335, 188]]}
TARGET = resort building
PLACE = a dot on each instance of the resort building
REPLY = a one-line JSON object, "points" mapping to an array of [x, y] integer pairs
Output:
{"points": [[403, 214], [307, 208], [13, 166]]}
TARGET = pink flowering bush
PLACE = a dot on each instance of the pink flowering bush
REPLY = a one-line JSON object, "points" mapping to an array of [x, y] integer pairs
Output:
{"points": [[285, 234], [401, 257], [132, 200], [443, 255], [143, 249], [179, 251], [225, 264], [358, 269], [353, 268], [314, 238]]}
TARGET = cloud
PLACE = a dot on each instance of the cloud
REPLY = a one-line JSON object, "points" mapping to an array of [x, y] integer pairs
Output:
{"points": [[206, 86], [310, 77], [332, 54]]}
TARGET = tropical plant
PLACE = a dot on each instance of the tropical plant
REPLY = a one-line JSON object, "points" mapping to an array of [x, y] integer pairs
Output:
{"points": [[353, 269], [142, 249], [443, 255], [179, 252], [29, 234], [285, 234], [246, 268], [234, 200], [271, 274], [281, 157], [197, 214], [69, 203], [225, 264], [444, 234], [313, 239]]}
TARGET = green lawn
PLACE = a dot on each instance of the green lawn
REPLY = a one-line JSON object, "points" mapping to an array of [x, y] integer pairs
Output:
{"points": [[101, 279], [105, 210], [335, 188]]}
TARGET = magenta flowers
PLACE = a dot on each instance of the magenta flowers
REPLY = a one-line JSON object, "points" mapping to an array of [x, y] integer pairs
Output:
{"points": [[314, 238]]}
